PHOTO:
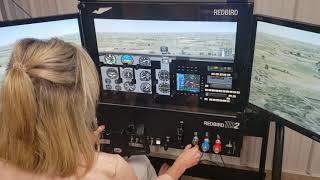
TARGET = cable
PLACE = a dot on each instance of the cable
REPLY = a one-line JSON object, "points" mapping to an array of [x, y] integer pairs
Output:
{"points": [[14, 2], [224, 165]]}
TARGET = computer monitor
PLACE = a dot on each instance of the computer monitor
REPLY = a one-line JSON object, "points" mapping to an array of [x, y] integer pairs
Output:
{"points": [[181, 57], [286, 73], [64, 27]]}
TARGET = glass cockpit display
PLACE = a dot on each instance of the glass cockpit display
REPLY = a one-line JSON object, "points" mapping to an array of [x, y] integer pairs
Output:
{"points": [[177, 38], [67, 30], [188, 82], [286, 74], [219, 82]]}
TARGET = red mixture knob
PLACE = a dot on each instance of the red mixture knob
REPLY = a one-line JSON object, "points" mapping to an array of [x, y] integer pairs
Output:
{"points": [[217, 146]]}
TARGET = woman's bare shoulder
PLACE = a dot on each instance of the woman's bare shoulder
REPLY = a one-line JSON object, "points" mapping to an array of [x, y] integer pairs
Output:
{"points": [[122, 170], [108, 157], [105, 166], [107, 161]]}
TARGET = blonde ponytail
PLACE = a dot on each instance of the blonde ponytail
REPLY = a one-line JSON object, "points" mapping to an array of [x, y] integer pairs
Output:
{"points": [[47, 108], [18, 121]]}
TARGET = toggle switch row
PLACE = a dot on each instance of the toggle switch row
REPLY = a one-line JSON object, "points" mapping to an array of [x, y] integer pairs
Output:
{"points": [[205, 144]]}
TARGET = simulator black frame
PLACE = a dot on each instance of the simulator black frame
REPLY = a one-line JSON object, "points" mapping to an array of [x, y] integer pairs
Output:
{"points": [[299, 26], [280, 122], [170, 11], [165, 118]]}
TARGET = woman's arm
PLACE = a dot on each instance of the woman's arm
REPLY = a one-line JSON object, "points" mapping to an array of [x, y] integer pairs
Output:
{"points": [[188, 158]]}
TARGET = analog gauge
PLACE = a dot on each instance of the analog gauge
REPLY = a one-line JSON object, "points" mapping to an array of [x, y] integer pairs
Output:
{"points": [[164, 87], [145, 61], [145, 76], [127, 74], [127, 59], [128, 86], [108, 87], [163, 75], [118, 87], [107, 81], [112, 73], [110, 59], [145, 87]]}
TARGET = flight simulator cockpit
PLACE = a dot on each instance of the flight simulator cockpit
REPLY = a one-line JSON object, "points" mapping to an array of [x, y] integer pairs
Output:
{"points": [[171, 72], [178, 73]]}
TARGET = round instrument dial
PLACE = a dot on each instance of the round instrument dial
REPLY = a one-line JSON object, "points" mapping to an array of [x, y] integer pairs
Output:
{"points": [[145, 76], [144, 61], [110, 59], [112, 73], [127, 74], [145, 87], [108, 87], [164, 87], [107, 81], [127, 59], [164, 75], [118, 87], [128, 86]]}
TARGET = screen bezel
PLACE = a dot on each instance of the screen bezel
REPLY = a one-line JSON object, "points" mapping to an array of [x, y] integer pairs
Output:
{"points": [[43, 20], [198, 11], [291, 24]]}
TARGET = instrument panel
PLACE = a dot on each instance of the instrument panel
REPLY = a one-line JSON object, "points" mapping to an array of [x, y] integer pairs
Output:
{"points": [[173, 79]]}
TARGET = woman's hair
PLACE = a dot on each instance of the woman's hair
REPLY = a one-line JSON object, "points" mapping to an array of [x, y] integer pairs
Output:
{"points": [[47, 108]]}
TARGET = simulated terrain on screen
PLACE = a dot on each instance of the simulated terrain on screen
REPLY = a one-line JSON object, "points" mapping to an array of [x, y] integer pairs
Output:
{"points": [[286, 74], [67, 30], [183, 38]]}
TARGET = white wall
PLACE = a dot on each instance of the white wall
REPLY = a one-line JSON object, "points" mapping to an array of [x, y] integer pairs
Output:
{"points": [[301, 154], [279, 8], [69, 6], [38, 8], [1, 19], [308, 11]]}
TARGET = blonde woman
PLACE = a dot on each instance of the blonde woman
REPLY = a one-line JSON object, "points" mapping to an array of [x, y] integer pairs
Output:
{"points": [[47, 118]]}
